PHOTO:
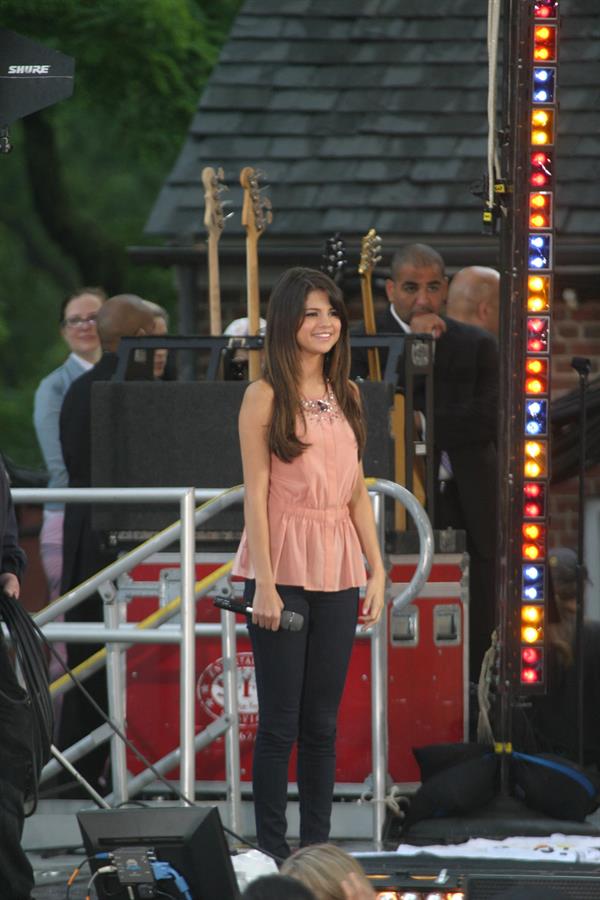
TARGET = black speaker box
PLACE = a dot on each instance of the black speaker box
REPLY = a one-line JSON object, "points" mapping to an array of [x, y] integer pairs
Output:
{"points": [[181, 434], [555, 886], [484, 877]]}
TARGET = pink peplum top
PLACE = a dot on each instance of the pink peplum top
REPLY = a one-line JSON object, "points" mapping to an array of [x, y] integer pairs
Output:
{"points": [[314, 544]]}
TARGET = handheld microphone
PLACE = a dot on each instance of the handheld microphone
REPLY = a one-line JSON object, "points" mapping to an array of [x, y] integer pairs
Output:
{"points": [[290, 621]]}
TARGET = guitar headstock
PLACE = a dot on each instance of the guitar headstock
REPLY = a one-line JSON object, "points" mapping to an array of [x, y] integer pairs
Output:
{"points": [[335, 258], [214, 217], [256, 211], [370, 252]]}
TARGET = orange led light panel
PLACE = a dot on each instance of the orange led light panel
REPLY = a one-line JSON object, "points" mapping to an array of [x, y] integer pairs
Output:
{"points": [[531, 635], [532, 531], [533, 449], [538, 293], [538, 283], [536, 366], [532, 615], [533, 469], [540, 137], [540, 206], [542, 127], [539, 220], [531, 552], [536, 386], [535, 459], [536, 303], [544, 43]]}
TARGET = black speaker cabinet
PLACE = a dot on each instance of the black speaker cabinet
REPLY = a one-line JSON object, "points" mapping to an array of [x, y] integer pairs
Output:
{"points": [[538, 886], [180, 434]]}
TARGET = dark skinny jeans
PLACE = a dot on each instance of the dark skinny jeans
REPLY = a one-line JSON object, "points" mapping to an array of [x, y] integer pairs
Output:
{"points": [[300, 678]]}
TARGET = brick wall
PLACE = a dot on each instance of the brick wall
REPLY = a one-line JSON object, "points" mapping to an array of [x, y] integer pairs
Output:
{"points": [[563, 508], [575, 332]]}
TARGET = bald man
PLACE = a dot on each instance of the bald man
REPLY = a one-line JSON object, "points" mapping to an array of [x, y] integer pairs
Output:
{"points": [[124, 315], [474, 298]]}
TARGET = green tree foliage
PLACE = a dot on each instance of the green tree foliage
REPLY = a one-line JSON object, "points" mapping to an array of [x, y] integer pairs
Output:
{"points": [[83, 175]]}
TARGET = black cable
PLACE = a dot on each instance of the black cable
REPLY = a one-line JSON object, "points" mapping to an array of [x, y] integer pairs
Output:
{"points": [[74, 875], [34, 672]]}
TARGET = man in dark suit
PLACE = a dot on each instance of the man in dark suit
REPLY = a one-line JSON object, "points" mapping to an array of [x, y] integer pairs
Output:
{"points": [[465, 410], [83, 555]]}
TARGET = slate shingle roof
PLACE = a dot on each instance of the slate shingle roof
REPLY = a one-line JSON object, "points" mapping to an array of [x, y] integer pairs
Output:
{"points": [[372, 113]]}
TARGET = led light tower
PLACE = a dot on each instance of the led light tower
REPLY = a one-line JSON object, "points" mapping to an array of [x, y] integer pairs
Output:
{"points": [[530, 671], [527, 242]]}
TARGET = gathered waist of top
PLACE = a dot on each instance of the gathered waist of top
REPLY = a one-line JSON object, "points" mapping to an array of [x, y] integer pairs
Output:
{"points": [[328, 515]]}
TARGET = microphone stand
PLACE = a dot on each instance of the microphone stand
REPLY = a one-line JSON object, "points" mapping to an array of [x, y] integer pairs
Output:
{"points": [[582, 366]]}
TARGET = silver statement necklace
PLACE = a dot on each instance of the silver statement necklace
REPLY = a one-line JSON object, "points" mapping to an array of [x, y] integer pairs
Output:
{"points": [[324, 409]]}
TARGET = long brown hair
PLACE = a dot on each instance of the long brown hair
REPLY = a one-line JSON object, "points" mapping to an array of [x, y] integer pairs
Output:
{"points": [[282, 361]]}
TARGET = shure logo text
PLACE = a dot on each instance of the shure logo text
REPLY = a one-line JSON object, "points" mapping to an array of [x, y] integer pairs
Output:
{"points": [[28, 70]]}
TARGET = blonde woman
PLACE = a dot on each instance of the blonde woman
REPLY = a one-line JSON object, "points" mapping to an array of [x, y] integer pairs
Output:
{"points": [[329, 872]]}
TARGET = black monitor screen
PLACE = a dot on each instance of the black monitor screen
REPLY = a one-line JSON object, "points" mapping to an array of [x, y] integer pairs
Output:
{"points": [[190, 839]]}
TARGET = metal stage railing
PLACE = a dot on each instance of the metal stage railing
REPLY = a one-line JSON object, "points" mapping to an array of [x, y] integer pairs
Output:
{"points": [[119, 635]]}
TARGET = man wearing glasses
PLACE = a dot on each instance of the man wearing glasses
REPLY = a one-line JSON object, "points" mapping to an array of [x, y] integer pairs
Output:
{"points": [[78, 328]]}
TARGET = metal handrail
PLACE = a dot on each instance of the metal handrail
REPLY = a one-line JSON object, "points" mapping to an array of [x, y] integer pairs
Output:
{"points": [[185, 531], [379, 640]]}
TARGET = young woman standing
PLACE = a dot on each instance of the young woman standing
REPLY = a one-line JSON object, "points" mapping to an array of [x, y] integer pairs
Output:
{"points": [[308, 523]]}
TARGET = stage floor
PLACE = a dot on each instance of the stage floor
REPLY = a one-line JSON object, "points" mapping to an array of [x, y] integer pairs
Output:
{"points": [[56, 822]]}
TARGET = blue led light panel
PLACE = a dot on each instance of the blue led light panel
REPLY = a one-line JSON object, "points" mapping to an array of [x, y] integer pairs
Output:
{"points": [[536, 418], [540, 249], [544, 81], [533, 582]]}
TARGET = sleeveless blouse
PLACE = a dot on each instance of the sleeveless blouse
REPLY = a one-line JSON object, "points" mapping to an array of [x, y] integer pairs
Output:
{"points": [[313, 541]]}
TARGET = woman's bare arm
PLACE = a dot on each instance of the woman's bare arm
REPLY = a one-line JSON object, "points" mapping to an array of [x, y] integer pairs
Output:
{"points": [[254, 421]]}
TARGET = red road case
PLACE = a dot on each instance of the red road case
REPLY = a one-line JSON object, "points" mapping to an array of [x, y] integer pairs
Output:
{"points": [[427, 700]]}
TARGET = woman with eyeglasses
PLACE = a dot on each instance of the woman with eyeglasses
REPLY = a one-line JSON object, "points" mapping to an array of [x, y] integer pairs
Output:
{"points": [[78, 328]]}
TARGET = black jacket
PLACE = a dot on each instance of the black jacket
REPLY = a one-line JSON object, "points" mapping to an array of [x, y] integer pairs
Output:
{"points": [[13, 558], [465, 379], [82, 553]]}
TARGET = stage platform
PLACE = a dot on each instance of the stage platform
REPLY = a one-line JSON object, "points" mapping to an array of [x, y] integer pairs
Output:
{"points": [[53, 843]]}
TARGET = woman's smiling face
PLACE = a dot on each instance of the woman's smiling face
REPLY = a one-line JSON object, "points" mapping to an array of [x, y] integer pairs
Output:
{"points": [[320, 327]]}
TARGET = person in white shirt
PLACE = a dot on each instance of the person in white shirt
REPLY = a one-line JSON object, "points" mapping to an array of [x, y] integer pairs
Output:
{"points": [[78, 328]]}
